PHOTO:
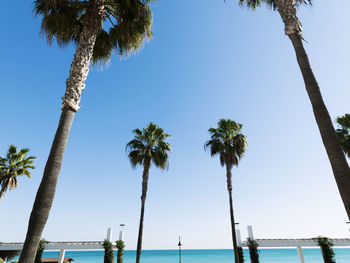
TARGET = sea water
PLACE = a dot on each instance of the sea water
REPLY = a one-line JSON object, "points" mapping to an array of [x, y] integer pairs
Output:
{"points": [[311, 255]]}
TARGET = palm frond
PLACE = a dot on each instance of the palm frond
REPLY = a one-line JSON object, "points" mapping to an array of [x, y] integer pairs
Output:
{"points": [[130, 25], [253, 4], [149, 143], [227, 142], [16, 163], [343, 133]]}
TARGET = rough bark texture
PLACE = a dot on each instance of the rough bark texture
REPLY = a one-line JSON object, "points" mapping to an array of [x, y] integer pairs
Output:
{"points": [[233, 225], [47, 188], [340, 167], [143, 201], [74, 86], [288, 12]]}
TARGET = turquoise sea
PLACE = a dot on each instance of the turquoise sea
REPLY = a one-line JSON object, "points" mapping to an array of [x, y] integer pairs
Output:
{"points": [[205, 256]]}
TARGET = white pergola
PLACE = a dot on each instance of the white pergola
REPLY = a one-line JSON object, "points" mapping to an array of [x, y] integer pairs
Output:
{"points": [[263, 243], [291, 243], [63, 246]]}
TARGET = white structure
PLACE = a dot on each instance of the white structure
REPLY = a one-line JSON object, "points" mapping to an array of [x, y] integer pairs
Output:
{"points": [[61, 246], [92, 245], [98, 245], [294, 243], [61, 257], [250, 232], [109, 234], [239, 240], [300, 254], [298, 244], [121, 232]]}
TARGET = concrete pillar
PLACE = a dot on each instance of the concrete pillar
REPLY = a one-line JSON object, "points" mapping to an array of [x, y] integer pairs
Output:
{"points": [[250, 232], [121, 235], [109, 234], [121, 232], [300, 253], [61, 257], [239, 241]]}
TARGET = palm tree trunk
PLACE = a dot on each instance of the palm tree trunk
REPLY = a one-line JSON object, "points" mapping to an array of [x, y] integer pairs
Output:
{"points": [[74, 87], [233, 225], [47, 188], [3, 189], [143, 201], [340, 167]]}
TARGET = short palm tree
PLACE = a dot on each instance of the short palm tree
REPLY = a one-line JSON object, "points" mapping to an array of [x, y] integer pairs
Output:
{"points": [[15, 164], [148, 146], [97, 28], [229, 144], [343, 133], [293, 29]]}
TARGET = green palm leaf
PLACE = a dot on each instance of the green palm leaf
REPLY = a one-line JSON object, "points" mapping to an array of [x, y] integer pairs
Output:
{"points": [[271, 3], [227, 142], [343, 133], [127, 24], [149, 143], [16, 163]]}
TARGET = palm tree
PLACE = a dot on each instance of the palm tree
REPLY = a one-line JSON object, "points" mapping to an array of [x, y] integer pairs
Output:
{"points": [[97, 28], [293, 29], [148, 146], [15, 164], [344, 133], [229, 144]]}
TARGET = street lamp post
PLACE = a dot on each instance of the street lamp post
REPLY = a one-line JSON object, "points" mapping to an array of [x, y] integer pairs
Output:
{"points": [[179, 249]]}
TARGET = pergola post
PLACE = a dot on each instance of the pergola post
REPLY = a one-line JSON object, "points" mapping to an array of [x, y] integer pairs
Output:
{"points": [[250, 232], [300, 253], [61, 257], [238, 235], [109, 234]]}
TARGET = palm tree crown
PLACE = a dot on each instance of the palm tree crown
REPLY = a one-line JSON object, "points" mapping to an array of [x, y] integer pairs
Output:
{"points": [[227, 141], [149, 145], [271, 3], [343, 133], [16, 163], [129, 22]]}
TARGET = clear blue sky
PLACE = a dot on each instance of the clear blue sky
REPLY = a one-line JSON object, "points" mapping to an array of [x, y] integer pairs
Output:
{"points": [[208, 60]]}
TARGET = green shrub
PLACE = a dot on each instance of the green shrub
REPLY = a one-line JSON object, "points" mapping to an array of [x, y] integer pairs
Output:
{"points": [[326, 248], [253, 250], [240, 255], [120, 255], [39, 251], [109, 253]]}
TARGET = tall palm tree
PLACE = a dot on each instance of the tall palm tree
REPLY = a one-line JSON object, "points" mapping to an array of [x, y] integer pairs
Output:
{"points": [[229, 144], [343, 133], [293, 29], [148, 146], [15, 164], [97, 28]]}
